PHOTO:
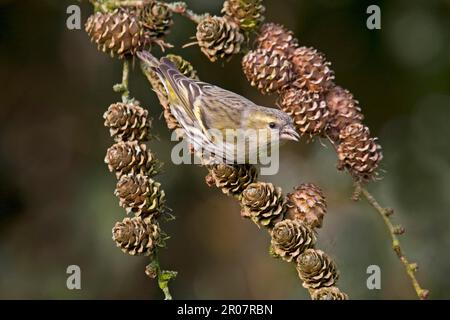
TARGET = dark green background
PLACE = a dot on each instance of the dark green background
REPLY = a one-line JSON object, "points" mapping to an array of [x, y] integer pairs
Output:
{"points": [[56, 201]]}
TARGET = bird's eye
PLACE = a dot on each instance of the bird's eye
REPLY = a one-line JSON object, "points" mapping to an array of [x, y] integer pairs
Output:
{"points": [[272, 125]]}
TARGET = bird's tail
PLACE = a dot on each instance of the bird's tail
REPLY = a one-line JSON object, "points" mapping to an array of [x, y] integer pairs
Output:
{"points": [[164, 68], [161, 66], [150, 63], [148, 59]]}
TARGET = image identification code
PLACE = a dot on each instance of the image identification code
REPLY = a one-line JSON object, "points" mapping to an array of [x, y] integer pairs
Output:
{"points": [[226, 309]]}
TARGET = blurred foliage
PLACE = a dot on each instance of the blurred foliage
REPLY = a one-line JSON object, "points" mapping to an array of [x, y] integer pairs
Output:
{"points": [[56, 201]]}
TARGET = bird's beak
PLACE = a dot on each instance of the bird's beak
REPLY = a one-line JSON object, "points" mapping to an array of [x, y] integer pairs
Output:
{"points": [[289, 134]]}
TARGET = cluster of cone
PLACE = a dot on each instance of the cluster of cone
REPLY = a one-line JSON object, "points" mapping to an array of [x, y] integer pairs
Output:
{"points": [[124, 31], [220, 37], [302, 78], [291, 222], [135, 167]]}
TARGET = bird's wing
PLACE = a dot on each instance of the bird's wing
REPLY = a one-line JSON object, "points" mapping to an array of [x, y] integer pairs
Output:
{"points": [[210, 105], [223, 109]]}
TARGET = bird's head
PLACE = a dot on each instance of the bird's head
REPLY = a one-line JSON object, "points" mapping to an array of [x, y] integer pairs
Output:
{"points": [[274, 120]]}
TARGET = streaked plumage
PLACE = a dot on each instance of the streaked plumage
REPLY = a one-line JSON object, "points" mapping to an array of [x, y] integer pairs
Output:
{"points": [[215, 119]]}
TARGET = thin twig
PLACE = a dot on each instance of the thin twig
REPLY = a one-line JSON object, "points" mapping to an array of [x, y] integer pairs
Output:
{"points": [[164, 276], [182, 9], [410, 268], [123, 86]]}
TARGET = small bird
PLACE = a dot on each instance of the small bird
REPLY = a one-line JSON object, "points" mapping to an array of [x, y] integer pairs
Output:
{"points": [[222, 124]]}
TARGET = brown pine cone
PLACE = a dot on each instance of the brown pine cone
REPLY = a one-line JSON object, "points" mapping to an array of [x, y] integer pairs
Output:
{"points": [[344, 110], [358, 152], [156, 18], [312, 70], [248, 14], [219, 37], [307, 204], [140, 195], [136, 237], [171, 121], [308, 110], [127, 121], [276, 38], [263, 203], [131, 157], [316, 269], [329, 293], [119, 32], [290, 238], [267, 70], [231, 179]]}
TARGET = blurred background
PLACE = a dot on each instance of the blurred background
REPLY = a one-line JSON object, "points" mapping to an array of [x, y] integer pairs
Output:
{"points": [[57, 206]]}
